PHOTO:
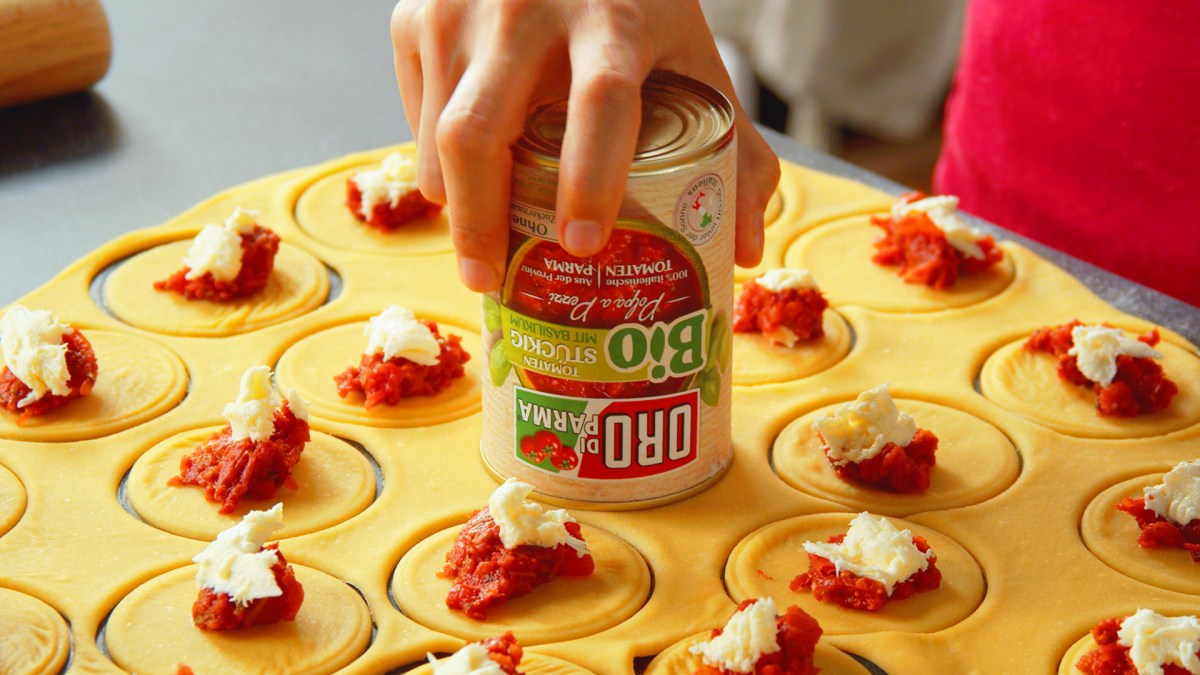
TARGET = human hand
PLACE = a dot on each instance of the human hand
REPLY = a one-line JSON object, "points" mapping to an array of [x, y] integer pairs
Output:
{"points": [[467, 70]]}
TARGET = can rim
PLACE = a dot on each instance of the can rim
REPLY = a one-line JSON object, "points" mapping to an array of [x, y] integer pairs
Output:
{"points": [[537, 150]]}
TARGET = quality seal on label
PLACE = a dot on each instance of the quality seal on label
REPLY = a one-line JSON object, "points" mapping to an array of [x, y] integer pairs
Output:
{"points": [[700, 209]]}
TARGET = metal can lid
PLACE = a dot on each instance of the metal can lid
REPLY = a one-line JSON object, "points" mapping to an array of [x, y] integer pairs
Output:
{"points": [[683, 121]]}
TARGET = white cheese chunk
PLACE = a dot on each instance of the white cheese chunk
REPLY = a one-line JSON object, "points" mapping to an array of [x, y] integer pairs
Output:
{"points": [[31, 343], [859, 430], [943, 212], [396, 177], [395, 332], [782, 279], [874, 549], [470, 660], [1096, 349], [236, 565], [242, 221], [1178, 497], [217, 249], [298, 405], [1155, 640], [526, 522], [252, 415], [749, 635]]}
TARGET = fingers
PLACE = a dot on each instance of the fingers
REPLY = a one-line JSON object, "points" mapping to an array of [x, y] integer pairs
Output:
{"points": [[444, 47], [758, 176], [407, 57], [610, 58], [484, 116]]}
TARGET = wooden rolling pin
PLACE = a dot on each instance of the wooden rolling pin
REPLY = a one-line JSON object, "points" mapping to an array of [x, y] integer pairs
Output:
{"points": [[51, 47]]}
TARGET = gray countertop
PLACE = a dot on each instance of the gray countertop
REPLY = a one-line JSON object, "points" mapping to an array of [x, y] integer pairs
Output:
{"points": [[203, 96]]}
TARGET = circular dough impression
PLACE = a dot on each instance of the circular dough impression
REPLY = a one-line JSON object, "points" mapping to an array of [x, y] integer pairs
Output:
{"points": [[1111, 535], [1027, 383], [34, 638], [298, 284], [677, 660], [12, 500], [151, 630], [137, 380], [566, 608], [757, 361], [321, 211], [311, 364], [764, 563], [335, 483], [975, 462], [839, 256]]}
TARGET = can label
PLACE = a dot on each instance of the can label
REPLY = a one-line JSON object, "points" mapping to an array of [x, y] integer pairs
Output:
{"points": [[609, 378]]}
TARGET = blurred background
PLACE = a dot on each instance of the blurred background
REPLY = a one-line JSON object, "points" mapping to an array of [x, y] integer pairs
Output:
{"points": [[864, 80]]}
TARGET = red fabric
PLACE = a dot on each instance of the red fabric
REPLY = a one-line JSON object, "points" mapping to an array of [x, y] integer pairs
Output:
{"points": [[1077, 123]]}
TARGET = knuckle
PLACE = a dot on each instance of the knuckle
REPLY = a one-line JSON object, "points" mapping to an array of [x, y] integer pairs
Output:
{"points": [[464, 130], [477, 241], [441, 18], [610, 83]]}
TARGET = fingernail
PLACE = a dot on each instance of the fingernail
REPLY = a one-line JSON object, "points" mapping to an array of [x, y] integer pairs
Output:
{"points": [[477, 275], [582, 237]]}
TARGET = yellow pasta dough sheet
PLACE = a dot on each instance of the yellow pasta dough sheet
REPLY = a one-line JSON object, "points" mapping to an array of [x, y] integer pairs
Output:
{"points": [[96, 547]]}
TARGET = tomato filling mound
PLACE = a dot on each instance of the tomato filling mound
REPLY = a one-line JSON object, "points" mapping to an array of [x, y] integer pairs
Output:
{"points": [[1111, 657], [386, 216], [922, 251], [538, 446], [796, 633], [899, 468], [217, 611], [258, 259], [388, 381], [798, 310], [230, 470], [1139, 387], [81, 367], [1158, 532], [486, 574], [854, 592]]}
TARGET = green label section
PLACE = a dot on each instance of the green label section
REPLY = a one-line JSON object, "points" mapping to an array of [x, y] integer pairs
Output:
{"points": [[627, 353]]}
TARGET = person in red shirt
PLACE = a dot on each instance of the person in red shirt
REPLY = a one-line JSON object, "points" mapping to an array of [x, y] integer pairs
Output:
{"points": [[1077, 123]]}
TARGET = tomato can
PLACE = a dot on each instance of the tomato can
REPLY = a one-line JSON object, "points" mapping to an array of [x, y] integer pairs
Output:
{"points": [[608, 377]]}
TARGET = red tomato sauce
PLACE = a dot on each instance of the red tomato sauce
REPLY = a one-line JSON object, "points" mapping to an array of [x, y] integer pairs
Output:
{"points": [[761, 310], [486, 574], [81, 367], [1139, 388], [504, 652], [1158, 532], [902, 469], [214, 611], [230, 471], [922, 252], [385, 382], [1112, 658], [854, 592], [387, 217], [796, 634], [258, 259]]}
